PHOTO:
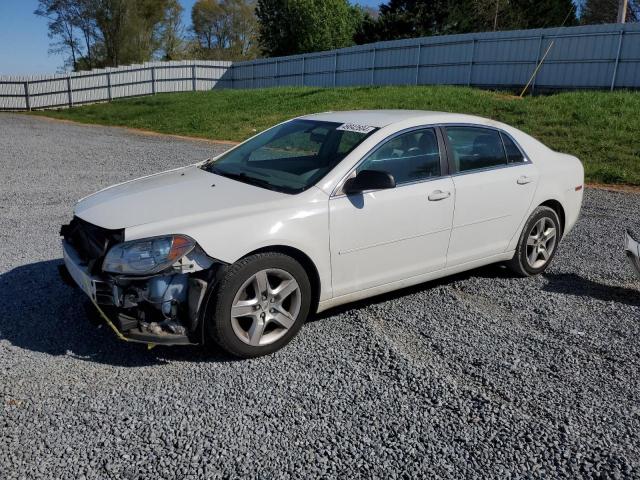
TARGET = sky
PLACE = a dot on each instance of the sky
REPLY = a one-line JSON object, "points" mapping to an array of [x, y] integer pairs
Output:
{"points": [[24, 44]]}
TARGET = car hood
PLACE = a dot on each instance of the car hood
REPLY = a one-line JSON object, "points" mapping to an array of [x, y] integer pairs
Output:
{"points": [[178, 193]]}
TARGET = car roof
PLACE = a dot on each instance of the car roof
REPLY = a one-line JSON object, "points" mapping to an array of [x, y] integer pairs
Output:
{"points": [[383, 118]]}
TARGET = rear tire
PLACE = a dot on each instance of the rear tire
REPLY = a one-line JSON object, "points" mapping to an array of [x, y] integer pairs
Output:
{"points": [[538, 243], [259, 305]]}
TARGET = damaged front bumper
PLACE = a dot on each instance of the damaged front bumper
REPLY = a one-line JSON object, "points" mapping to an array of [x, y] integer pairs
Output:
{"points": [[632, 249], [158, 309]]}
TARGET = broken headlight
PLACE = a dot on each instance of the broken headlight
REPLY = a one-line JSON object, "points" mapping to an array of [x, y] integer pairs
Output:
{"points": [[148, 255]]}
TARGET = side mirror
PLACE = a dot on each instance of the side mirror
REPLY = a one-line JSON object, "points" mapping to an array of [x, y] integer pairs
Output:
{"points": [[369, 180]]}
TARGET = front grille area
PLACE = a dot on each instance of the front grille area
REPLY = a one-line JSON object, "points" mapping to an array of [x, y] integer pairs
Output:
{"points": [[90, 241]]}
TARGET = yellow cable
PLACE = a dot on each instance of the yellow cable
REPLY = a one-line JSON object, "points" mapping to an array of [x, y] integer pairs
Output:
{"points": [[113, 327]]}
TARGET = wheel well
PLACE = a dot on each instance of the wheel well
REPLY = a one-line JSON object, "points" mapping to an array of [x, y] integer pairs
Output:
{"points": [[307, 264], [557, 207]]}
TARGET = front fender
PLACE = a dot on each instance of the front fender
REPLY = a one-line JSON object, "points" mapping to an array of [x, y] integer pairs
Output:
{"points": [[302, 224]]}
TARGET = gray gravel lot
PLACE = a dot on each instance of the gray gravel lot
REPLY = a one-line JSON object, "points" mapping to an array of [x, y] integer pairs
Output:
{"points": [[479, 375]]}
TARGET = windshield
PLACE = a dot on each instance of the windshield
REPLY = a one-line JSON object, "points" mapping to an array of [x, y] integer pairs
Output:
{"points": [[290, 157]]}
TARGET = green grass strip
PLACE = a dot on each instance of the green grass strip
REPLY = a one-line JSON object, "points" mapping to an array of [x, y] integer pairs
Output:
{"points": [[601, 128]]}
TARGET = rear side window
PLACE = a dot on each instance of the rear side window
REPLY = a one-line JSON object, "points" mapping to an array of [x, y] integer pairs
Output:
{"points": [[514, 155], [475, 148]]}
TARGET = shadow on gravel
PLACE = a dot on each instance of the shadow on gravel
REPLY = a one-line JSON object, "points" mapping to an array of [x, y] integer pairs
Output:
{"points": [[572, 284], [489, 271], [42, 314]]}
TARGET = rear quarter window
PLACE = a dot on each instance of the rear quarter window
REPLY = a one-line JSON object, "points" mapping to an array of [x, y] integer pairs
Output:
{"points": [[514, 155]]}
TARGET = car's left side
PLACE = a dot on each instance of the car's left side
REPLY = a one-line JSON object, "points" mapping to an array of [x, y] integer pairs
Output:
{"points": [[314, 213]]}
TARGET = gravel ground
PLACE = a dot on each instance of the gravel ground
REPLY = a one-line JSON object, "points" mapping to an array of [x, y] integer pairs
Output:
{"points": [[478, 375]]}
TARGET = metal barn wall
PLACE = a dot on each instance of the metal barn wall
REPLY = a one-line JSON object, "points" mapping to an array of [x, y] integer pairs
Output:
{"points": [[595, 56]]}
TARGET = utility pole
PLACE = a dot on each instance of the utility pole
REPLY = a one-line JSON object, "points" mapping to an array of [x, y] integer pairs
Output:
{"points": [[622, 11], [495, 20]]}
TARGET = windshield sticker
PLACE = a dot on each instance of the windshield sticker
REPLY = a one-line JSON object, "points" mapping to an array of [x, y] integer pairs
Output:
{"points": [[352, 127]]}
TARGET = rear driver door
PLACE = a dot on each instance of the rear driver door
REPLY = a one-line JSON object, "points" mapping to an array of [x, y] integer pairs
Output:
{"points": [[494, 183]]}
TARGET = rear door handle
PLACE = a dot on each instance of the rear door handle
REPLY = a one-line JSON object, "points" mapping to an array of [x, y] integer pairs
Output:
{"points": [[438, 195], [523, 180]]}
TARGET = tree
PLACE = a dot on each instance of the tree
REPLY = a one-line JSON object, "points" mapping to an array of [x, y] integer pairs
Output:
{"points": [[172, 43], [142, 29], [606, 11], [98, 33], [210, 24], [244, 29], [297, 26], [82, 20], [414, 18], [60, 16], [225, 29], [543, 13]]}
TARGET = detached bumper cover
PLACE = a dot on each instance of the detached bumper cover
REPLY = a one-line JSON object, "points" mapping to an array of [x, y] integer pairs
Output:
{"points": [[632, 249], [98, 290]]}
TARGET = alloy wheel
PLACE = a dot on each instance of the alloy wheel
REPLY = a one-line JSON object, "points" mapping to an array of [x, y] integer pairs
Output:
{"points": [[265, 307], [541, 242]]}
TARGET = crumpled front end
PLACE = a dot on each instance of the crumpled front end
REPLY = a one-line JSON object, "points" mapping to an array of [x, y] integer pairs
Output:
{"points": [[632, 249], [163, 308]]}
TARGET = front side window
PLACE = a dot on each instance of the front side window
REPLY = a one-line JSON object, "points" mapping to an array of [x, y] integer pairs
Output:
{"points": [[475, 148], [409, 157], [290, 157]]}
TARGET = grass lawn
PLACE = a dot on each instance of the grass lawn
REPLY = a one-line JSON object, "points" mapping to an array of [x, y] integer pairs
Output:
{"points": [[601, 128]]}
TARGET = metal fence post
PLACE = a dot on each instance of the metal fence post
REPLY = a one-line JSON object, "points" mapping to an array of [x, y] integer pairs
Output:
{"points": [[109, 86], [253, 74], [473, 53], [69, 91], [533, 84], [615, 67], [418, 60], [153, 80], [335, 67], [277, 74], [303, 68], [27, 100], [193, 76], [373, 66]]}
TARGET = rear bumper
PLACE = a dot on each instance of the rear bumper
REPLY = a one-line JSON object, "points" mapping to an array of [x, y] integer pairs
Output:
{"points": [[107, 297], [632, 249]]}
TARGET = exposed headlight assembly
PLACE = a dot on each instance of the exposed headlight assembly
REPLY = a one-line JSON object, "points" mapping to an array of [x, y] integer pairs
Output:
{"points": [[148, 255]]}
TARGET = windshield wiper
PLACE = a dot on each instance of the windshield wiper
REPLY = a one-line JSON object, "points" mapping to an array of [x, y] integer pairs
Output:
{"points": [[244, 178]]}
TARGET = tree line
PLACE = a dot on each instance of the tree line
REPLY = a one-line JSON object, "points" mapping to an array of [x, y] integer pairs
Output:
{"points": [[101, 33]]}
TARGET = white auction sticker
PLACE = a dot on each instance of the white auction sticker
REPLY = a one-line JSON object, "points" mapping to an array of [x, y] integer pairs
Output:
{"points": [[352, 127]]}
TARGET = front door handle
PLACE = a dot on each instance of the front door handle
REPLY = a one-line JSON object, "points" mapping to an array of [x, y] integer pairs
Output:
{"points": [[439, 195], [523, 180]]}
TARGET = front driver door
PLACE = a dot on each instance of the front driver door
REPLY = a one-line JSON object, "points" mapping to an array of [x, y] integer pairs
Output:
{"points": [[383, 236]]}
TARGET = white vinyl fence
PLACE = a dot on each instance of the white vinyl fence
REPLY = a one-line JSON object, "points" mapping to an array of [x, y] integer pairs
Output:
{"points": [[67, 90]]}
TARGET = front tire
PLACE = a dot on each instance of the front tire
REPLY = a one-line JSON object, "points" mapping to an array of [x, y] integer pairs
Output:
{"points": [[538, 243], [259, 305]]}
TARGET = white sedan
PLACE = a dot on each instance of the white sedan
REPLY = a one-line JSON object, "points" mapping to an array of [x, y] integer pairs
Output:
{"points": [[313, 213]]}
